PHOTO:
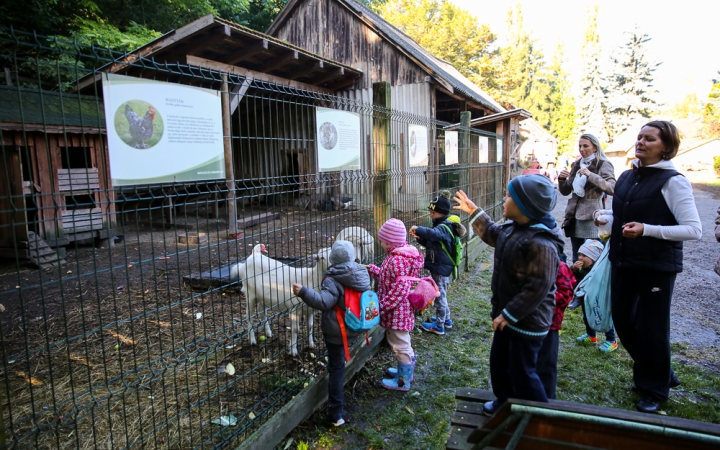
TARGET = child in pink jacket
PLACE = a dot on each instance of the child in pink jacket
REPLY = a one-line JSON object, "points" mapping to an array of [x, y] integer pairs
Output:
{"points": [[396, 314]]}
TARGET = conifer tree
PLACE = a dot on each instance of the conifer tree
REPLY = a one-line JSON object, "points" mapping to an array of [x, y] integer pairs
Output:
{"points": [[630, 91], [562, 104], [590, 103]]}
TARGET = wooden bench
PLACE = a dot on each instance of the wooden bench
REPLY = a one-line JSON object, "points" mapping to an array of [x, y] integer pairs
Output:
{"points": [[559, 424]]}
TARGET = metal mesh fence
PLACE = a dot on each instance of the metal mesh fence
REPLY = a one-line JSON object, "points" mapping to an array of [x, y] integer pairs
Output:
{"points": [[122, 325]]}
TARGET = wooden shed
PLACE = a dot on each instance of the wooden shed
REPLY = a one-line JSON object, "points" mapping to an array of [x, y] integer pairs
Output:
{"points": [[56, 189], [421, 84], [268, 109]]}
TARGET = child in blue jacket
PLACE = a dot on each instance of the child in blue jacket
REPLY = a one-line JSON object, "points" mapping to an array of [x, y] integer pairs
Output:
{"points": [[437, 260]]}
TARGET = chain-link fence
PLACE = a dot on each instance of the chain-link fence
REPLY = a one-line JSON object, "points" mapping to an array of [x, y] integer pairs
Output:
{"points": [[122, 323]]}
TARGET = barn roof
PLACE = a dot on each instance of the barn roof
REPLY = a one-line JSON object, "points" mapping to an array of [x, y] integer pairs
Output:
{"points": [[225, 46], [443, 71], [48, 110]]}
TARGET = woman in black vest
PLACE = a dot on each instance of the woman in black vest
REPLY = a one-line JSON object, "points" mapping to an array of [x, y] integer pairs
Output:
{"points": [[653, 211]]}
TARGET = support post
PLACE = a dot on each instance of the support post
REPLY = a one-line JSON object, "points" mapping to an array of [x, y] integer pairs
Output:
{"points": [[464, 160], [381, 153], [464, 152], [229, 164]]}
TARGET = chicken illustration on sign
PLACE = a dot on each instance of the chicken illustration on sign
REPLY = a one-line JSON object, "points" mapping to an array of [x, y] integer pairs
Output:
{"points": [[141, 132]]}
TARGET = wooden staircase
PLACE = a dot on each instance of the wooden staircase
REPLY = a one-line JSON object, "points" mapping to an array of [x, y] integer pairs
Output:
{"points": [[38, 252]]}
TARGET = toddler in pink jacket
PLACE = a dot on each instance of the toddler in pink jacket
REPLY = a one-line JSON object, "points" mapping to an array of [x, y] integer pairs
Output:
{"points": [[396, 314]]}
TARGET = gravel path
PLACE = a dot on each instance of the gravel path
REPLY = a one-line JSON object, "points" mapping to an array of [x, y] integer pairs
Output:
{"points": [[695, 319]]}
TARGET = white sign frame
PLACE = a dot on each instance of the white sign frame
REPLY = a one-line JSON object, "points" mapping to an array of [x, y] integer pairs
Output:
{"points": [[418, 154], [186, 140], [451, 148], [483, 149], [337, 140]]}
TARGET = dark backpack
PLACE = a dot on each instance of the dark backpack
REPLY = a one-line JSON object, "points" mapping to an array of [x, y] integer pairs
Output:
{"points": [[455, 253]]}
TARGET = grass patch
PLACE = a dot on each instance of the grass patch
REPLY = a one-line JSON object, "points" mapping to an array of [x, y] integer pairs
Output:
{"points": [[713, 187], [420, 419]]}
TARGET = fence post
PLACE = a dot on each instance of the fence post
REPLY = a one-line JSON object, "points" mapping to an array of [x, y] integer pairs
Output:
{"points": [[229, 163], [381, 153], [464, 160]]}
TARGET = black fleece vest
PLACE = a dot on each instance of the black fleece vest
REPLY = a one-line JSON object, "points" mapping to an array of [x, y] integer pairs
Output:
{"points": [[638, 198]]}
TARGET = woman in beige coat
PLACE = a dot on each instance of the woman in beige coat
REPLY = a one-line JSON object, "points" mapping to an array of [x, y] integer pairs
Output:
{"points": [[589, 178]]}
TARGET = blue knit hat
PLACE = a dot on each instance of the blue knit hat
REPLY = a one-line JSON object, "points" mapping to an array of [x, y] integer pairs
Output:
{"points": [[535, 196]]}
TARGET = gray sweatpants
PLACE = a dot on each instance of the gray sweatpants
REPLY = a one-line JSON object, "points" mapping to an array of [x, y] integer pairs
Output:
{"points": [[442, 310]]}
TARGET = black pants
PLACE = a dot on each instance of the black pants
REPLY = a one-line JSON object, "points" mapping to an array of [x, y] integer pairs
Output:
{"points": [[547, 362], [513, 372], [641, 313], [336, 383]]}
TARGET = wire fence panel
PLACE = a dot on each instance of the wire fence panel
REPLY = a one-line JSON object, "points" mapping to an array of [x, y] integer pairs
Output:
{"points": [[124, 323]]}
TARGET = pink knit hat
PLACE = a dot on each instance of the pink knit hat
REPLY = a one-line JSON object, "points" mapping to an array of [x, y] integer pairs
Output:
{"points": [[393, 232]]}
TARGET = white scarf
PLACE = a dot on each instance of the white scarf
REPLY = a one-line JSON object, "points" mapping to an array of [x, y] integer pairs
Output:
{"points": [[580, 180]]}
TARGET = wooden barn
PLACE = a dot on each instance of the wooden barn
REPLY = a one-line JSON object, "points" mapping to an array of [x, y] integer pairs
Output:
{"points": [[56, 190], [421, 84]]}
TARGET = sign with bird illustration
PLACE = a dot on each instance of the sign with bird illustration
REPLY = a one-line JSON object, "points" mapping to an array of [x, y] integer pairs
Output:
{"points": [[162, 132]]}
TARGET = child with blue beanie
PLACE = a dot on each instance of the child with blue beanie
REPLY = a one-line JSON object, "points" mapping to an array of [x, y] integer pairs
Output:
{"points": [[526, 261]]}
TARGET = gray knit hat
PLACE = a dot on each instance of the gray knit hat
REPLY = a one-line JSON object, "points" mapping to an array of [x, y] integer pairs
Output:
{"points": [[534, 195], [342, 252], [591, 248]]}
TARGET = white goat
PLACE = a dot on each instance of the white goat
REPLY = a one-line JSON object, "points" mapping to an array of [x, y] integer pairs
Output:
{"points": [[270, 282], [362, 241]]}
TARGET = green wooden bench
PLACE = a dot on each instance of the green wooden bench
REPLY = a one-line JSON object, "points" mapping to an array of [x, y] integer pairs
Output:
{"points": [[559, 424]]}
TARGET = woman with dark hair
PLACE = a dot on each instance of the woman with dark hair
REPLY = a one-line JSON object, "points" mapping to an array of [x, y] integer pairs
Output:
{"points": [[589, 178], [653, 212]]}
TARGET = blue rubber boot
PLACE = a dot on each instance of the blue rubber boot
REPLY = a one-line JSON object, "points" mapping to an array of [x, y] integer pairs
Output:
{"points": [[401, 382], [391, 372]]}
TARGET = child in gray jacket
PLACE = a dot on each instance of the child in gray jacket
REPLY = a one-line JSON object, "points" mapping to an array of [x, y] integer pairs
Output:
{"points": [[343, 272]]}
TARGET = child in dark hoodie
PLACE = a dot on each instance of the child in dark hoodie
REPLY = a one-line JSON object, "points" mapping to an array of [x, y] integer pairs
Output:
{"points": [[437, 259], [343, 272], [523, 284]]}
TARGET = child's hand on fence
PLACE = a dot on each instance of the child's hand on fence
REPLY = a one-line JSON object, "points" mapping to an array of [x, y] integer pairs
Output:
{"points": [[464, 203], [499, 322], [296, 289]]}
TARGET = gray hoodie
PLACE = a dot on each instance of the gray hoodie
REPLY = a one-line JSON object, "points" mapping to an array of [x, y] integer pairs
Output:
{"points": [[343, 272]]}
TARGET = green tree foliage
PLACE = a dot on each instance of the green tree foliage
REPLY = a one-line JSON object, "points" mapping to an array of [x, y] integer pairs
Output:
{"points": [[561, 104], [630, 91], [519, 77], [117, 24], [688, 107], [446, 31], [590, 103], [525, 80], [711, 118]]}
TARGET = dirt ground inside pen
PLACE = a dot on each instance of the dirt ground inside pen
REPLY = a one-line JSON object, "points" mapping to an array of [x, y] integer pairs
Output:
{"points": [[114, 344]]}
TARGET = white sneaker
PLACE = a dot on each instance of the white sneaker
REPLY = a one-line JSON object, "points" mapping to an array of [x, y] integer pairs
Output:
{"points": [[339, 422]]}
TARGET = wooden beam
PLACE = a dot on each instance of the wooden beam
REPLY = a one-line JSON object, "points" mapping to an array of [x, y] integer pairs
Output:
{"points": [[347, 81], [331, 75], [291, 57], [235, 70], [252, 50], [216, 36]]}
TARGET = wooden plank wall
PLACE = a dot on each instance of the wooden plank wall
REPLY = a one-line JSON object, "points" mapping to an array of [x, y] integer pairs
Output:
{"points": [[328, 29]]}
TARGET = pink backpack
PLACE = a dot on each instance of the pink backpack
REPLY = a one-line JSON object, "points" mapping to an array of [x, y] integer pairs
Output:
{"points": [[424, 293]]}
